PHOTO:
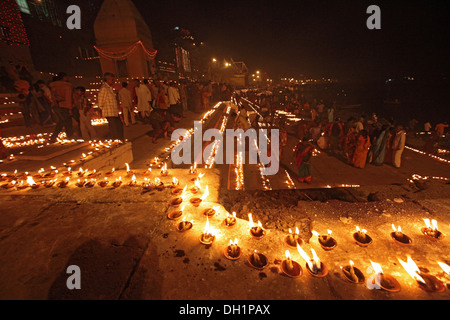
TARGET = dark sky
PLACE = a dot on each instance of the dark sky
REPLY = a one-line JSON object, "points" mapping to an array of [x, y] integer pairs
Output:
{"points": [[315, 38]]}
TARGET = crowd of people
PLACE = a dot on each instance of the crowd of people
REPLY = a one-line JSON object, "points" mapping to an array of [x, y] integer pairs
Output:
{"points": [[139, 101], [358, 141]]}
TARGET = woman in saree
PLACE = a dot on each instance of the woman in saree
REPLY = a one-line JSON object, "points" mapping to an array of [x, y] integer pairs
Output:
{"points": [[303, 153], [350, 144], [362, 148]]}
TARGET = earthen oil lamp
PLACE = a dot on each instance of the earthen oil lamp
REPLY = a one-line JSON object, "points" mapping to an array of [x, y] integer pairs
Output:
{"points": [[426, 282], [63, 184], [147, 172], [21, 185], [211, 211], [176, 214], [230, 220], [207, 237], [291, 268], [258, 260], [117, 183], [9, 185], [361, 237], [104, 182], [129, 172], [52, 173], [40, 174], [11, 177], [314, 266], [83, 156], [68, 173], [294, 239], [93, 174], [164, 171], [196, 201], [159, 185], [382, 280], [147, 185], [196, 187], [399, 237], [353, 274], [232, 251], [176, 202], [69, 164], [175, 182], [31, 183], [133, 181], [177, 190], [327, 242], [49, 183], [110, 173], [431, 230], [81, 173], [91, 183], [184, 225], [80, 183], [257, 231], [193, 169]]}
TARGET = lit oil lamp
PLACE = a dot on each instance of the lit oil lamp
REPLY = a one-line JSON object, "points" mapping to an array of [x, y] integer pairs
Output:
{"points": [[431, 230], [21, 185], [91, 183], [258, 260], [175, 182], [383, 281], [196, 188], [294, 239], [93, 174], [83, 156], [104, 182], [8, 185], [110, 173], [175, 215], [399, 237], [425, 281], [232, 251], [352, 273], [290, 267], [40, 174], [257, 231], [147, 172], [230, 220], [207, 237], [196, 201], [117, 183], [64, 183], [129, 172], [361, 237], [211, 211], [80, 183], [147, 185], [69, 164], [81, 173], [164, 171], [49, 183], [444, 267], [176, 202], [178, 191], [185, 225], [159, 185], [314, 266], [52, 173], [31, 183], [133, 181], [193, 169], [327, 242]]}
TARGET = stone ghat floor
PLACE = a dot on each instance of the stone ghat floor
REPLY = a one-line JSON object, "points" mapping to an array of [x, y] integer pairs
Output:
{"points": [[127, 248]]}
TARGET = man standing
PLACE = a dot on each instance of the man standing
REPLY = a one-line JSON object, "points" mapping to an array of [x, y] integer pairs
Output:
{"points": [[61, 90], [174, 100], [107, 102], [126, 102], [144, 97], [398, 145]]}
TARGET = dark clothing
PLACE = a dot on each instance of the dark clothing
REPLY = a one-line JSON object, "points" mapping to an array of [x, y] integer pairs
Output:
{"points": [[63, 120], [115, 128]]}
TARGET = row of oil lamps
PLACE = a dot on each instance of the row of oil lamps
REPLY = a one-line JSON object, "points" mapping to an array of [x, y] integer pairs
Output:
{"points": [[313, 265]]}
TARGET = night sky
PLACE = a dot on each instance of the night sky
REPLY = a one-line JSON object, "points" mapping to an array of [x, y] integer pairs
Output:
{"points": [[314, 38]]}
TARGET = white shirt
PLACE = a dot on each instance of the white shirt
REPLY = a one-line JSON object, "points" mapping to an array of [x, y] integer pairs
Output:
{"points": [[174, 96], [144, 96]]}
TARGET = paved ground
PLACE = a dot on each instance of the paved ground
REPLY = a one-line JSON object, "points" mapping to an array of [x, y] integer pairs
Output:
{"points": [[127, 248]]}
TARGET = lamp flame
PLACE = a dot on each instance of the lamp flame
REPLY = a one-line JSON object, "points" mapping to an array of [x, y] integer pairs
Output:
{"points": [[205, 195], [444, 267], [412, 269]]}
